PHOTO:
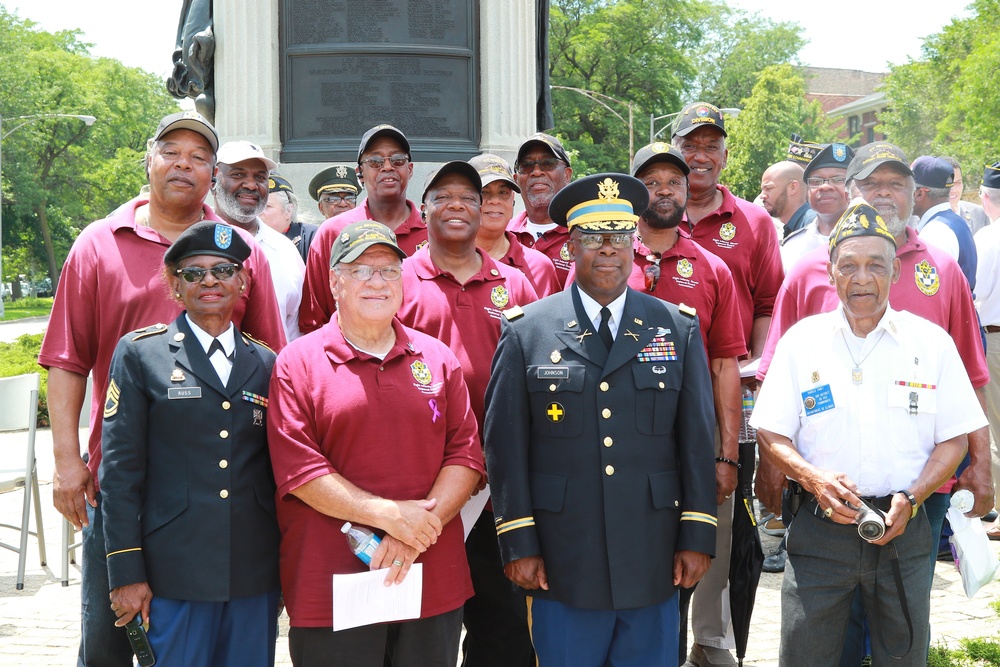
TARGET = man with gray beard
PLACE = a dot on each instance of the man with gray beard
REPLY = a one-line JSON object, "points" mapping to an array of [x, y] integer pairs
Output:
{"points": [[240, 187]]}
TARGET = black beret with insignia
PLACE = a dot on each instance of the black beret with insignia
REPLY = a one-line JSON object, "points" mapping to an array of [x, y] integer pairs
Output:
{"points": [[834, 155], [208, 238]]}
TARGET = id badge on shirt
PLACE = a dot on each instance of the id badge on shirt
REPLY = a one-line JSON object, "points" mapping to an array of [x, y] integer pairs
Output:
{"points": [[818, 399]]}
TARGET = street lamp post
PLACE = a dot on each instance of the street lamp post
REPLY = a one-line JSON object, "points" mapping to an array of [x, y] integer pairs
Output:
{"points": [[653, 132], [596, 97], [87, 120]]}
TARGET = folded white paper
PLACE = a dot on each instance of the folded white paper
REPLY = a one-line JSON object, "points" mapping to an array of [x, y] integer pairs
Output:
{"points": [[364, 599], [473, 508]]}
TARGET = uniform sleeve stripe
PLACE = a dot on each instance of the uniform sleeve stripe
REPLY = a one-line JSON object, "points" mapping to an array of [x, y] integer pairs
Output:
{"points": [[508, 526], [124, 551], [699, 516]]}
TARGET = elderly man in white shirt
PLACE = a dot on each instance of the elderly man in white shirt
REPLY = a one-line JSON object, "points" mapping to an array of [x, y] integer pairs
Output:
{"points": [[862, 406]]}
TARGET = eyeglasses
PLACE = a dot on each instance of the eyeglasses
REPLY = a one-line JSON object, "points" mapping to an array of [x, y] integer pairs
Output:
{"points": [[596, 241], [377, 161], [815, 182], [895, 186], [652, 272], [336, 199], [545, 164], [364, 272], [195, 274]]}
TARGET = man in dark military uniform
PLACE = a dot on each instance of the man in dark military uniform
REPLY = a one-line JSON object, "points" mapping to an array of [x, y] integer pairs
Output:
{"points": [[336, 189], [599, 445], [189, 516]]}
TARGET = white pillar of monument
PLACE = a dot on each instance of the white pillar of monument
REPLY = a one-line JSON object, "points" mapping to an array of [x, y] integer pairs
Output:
{"points": [[247, 87]]}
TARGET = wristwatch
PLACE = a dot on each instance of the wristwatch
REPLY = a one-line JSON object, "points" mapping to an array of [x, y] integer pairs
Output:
{"points": [[913, 502]]}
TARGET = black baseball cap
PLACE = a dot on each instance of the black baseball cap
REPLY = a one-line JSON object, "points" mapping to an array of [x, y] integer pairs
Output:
{"points": [[454, 167], [546, 141], [872, 156], [383, 130], [933, 172], [659, 152], [699, 114]]}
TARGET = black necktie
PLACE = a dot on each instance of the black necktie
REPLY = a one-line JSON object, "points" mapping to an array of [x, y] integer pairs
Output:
{"points": [[216, 346], [604, 331]]}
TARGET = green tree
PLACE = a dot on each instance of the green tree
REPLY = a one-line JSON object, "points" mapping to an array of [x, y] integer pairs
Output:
{"points": [[736, 49], [59, 174], [759, 135]]}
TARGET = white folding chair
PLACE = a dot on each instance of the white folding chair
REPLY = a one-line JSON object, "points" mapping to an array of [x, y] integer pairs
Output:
{"points": [[18, 411]]}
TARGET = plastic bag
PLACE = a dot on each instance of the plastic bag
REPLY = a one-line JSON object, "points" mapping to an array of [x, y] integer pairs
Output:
{"points": [[976, 560]]}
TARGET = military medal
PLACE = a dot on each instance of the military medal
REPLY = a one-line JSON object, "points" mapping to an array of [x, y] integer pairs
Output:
{"points": [[177, 375], [555, 357]]}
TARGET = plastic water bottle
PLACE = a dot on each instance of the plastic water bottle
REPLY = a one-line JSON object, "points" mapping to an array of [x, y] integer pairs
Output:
{"points": [[963, 500], [361, 541], [747, 432]]}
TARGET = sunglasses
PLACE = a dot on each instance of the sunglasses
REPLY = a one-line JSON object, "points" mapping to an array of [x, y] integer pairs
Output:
{"points": [[596, 241], [377, 161], [195, 274], [545, 164]]}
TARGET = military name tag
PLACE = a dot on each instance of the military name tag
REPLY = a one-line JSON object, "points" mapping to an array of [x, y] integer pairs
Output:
{"points": [[552, 373], [183, 392], [818, 400]]}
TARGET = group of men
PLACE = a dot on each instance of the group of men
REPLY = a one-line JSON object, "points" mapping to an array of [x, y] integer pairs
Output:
{"points": [[592, 346]]}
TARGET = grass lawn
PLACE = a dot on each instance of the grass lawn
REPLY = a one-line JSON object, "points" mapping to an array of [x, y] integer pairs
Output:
{"points": [[22, 308]]}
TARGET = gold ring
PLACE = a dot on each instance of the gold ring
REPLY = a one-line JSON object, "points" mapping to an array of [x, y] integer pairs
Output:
{"points": [[397, 563], [828, 512]]}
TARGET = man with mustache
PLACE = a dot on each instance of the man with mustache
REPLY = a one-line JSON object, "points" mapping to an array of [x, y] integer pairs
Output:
{"points": [[543, 169], [241, 191], [384, 169], [676, 269], [95, 306]]}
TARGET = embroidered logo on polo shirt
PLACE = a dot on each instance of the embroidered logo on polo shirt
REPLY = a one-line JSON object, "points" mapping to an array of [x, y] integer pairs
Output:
{"points": [[421, 373], [684, 268], [927, 278], [499, 296], [564, 252], [420, 245], [727, 232]]}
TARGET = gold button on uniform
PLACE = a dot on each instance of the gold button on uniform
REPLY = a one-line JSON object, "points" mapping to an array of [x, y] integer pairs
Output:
{"points": [[223, 433], [609, 470], [223, 463], [608, 441], [677, 503], [223, 494], [606, 413], [226, 405], [662, 385], [552, 387], [605, 386]]}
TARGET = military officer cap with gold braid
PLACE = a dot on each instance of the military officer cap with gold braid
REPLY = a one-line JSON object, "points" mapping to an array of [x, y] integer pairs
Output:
{"points": [[602, 204], [860, 219], [338, 178]]}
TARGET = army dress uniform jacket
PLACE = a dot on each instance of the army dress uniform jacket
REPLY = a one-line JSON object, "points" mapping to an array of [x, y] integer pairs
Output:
{"points": [[602, 462], [188, 492]]}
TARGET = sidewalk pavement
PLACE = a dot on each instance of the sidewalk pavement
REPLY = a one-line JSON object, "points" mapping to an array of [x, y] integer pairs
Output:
{"points": [[40, 625]]}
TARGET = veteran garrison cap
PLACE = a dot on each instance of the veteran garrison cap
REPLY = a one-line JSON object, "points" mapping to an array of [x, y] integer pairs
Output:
{"points": [[603, 203], [338, 178], [659, 152], [494, 168], [991, 175], [699, 114], [933, 172], [208, 238], [835, 155], [277, 183], [547, 142], [188, 120], [454, 167], [872, 156], [860, 219], [383, 130], [358, 237]]}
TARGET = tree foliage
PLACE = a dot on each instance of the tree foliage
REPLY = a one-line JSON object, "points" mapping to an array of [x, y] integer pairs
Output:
{"points": [[759, 135], [947, 102], [58, 173], [655, 55]]}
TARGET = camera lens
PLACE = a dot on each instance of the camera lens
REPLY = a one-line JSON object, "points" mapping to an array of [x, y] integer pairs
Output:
{"points": [[871, 529]]}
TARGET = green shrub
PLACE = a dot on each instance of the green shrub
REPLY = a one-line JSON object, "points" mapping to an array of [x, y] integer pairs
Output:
{"points": [[21, 357]]}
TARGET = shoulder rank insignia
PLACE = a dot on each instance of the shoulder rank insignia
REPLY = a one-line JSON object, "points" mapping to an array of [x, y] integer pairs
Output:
{"points": [[154, 330], [247, 339], [687, 310], [513, 313], [111, 403]]}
